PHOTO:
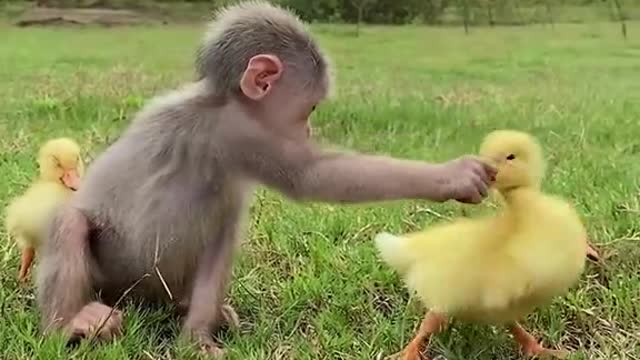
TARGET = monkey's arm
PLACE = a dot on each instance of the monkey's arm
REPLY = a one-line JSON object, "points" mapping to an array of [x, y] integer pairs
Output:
{"points": [[304, 172], [210, 284], [349, 177]]}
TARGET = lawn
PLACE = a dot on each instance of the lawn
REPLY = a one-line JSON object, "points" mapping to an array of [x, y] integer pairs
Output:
{"points": [[308, 283]]}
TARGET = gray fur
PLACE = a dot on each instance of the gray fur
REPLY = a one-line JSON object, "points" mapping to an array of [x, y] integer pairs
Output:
{"points": [[173, 190], [239, 32]]}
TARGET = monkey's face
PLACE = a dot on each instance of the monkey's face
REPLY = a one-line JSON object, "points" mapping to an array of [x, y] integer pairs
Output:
{"points": [[283, 102], [289, 114]]}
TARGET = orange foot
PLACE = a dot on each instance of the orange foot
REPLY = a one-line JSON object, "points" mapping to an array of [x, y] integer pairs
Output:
{"points": [[531, 347], [592, 254], [432, 324], [27, 259]]}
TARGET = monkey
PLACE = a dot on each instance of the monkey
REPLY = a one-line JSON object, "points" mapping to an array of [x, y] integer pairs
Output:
{"points": [[162, 208]]}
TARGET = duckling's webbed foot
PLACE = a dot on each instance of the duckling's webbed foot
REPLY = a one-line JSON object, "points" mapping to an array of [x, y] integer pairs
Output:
{"points": [[432, 324], [592, 254], [531, 347], [28, 254]]}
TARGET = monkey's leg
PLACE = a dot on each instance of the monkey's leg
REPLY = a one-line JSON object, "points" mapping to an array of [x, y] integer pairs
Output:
{"points": [[26, 260], [432, 324], [207, 297], [530, 346], [65, 281]]}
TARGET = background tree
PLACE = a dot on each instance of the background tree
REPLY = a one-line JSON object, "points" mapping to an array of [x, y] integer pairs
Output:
{"points": [[361, 6], [465, 15], [621, 17]]}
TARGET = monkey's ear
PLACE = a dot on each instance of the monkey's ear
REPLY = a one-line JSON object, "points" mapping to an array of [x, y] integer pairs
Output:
{"points": [[260, 75]]}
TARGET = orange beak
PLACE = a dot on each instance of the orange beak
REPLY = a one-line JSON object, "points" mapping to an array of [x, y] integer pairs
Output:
{"points": [[71, 179]]}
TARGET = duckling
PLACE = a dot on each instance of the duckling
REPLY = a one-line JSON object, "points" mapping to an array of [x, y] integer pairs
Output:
{"points": [[495, 269], [61, 168]]}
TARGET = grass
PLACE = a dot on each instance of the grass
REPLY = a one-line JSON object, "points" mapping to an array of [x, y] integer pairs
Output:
{"points": [[308, 283]]}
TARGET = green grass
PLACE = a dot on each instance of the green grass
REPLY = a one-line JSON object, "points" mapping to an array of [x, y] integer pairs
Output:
{"points": [[308, 283]]}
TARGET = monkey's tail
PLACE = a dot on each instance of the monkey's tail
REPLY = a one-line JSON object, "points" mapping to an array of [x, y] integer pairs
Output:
{"points": [[394, 251], [64, 278]]}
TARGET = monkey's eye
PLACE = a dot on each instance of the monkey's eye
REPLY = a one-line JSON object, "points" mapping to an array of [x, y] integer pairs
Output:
{"points": [[511, 157]]}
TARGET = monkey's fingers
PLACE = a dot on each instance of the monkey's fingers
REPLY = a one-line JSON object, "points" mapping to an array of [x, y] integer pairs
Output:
{"points": [[230, 316], [208, 345], [96, 320], [472, 197], [488, 165], [485, 172], [481, 187], [212, 350], [79, 328], [112, 328]]}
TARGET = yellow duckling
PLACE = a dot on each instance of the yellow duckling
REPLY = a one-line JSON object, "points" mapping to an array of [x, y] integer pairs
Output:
{"points": [[61, 168], [499, 268]]}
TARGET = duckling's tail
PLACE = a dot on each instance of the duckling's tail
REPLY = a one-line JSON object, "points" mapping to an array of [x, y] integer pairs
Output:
{"points": [[394, 251], [11, 219]]}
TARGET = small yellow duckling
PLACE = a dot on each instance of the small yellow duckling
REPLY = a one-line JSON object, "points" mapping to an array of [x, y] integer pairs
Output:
{"points": [[495, 269], [61, 168]]}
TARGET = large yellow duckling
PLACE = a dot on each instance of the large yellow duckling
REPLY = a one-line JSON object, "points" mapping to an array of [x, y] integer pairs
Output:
{"points": [[61, 168], [499, 268]]}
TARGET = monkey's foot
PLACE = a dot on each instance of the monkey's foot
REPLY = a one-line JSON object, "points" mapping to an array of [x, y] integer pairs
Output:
{"points": [[230, 316], [28, 253], [432, 324], [210, 348], [531, 347], [205, 342], [95, 320]]}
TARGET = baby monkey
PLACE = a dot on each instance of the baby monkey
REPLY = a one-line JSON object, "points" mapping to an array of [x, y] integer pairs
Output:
{"points": [[163, 206]]}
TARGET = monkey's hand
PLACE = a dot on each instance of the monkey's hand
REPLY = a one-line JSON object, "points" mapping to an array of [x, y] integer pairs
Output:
{"points": [[465, 179], [204, 340], [95, 320], [230, 316]]}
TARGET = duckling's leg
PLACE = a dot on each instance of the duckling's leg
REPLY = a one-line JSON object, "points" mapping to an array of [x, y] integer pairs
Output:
{"points": [[530, 346], [28, 254], [432, 324]]}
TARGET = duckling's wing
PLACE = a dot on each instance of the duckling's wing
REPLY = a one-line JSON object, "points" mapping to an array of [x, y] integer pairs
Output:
{"points": [[29, 213]]}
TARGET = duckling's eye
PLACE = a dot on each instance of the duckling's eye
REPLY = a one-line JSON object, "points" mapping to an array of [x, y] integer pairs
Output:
{"points": [[313, 108], [56, 161], [511, 157]]}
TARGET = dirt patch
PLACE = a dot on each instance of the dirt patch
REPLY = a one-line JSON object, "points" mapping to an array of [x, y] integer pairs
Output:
{"points": [[94, 16]]}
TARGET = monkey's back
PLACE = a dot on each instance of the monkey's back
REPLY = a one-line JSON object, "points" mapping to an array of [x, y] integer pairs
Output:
{"points": [[150, 196]]}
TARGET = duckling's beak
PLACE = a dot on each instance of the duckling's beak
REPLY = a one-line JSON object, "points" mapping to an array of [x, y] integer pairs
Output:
{"points": [[71, 179]]}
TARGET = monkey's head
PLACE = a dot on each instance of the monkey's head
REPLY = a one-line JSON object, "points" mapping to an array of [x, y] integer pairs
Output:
{"points": [[517, 156], [262, 56], [60, 161]]}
